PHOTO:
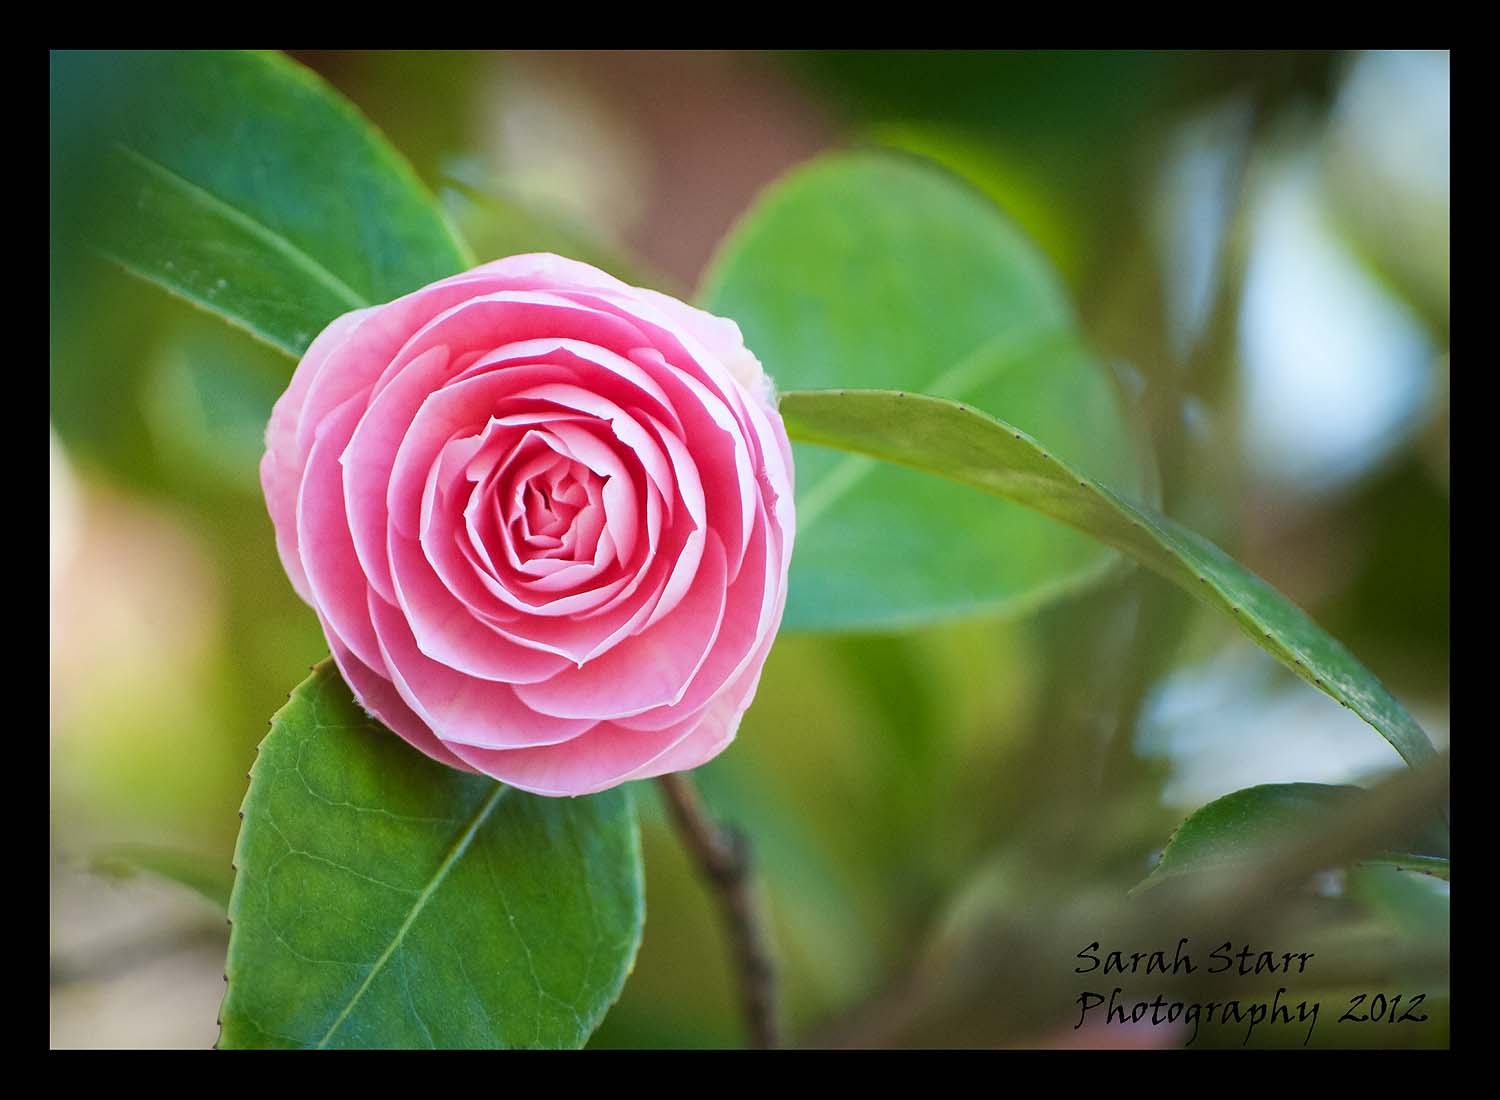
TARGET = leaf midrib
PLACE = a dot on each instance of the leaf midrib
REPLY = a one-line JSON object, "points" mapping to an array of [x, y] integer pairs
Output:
{"points": [[1009, 347], [455, 853], [257, 228], [1169, 550]]}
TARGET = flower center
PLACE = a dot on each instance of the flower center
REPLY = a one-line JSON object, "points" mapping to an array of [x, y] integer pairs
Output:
{"points": [[544, 518], [534, 510]]}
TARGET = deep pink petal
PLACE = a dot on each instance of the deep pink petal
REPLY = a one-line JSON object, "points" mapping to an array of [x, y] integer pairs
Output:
{"points": [[654, 668], [449, 633], [282, 465], [379, 698], [467, 710], [749, 606], [336, 582]]}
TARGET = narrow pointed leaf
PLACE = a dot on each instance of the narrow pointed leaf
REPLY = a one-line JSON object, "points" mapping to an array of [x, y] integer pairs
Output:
{"points": [[965, 445], [1246, 825]]}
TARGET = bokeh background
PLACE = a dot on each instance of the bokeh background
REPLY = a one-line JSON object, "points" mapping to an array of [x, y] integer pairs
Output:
{"points": [[1258, 245]]}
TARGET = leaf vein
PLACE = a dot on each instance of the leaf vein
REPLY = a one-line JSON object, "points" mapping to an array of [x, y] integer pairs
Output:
{"points": [[460, 846], [276, 241]]}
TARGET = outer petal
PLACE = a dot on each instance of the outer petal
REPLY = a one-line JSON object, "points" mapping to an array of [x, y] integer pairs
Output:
{"points": [[464, 710], [282, 464], [721, 336], [378, 696]]}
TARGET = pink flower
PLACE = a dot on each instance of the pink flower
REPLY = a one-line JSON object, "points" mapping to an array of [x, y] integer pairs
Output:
{"points": [[545, 520]]}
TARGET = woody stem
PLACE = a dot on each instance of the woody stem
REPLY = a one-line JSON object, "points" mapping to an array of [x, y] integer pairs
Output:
{"points": [[723, 858]]}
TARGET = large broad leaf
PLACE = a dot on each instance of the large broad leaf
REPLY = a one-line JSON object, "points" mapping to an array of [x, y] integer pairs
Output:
{"points": [[1246, 825], [967, 446], [384, 900], [245, 184], [879, 270]]}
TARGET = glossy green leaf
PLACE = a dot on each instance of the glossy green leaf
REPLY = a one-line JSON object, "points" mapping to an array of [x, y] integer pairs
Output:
{"points": [[965, 445], [385, 900], [880, 270], [1246, 825], [242, 182]]}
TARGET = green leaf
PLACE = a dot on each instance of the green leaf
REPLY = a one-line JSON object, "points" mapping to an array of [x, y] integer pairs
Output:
{"points": [[880, 270], [242, 182], [207, 877], [1407, 898], [957, 442], [385, 900], [1242, 827]]}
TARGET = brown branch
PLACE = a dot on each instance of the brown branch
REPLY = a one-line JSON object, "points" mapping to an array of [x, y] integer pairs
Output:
{"points": [[723, 858]]}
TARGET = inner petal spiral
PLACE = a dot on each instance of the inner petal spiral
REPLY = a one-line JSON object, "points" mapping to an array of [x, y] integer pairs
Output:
{"points": [[553, 516]]}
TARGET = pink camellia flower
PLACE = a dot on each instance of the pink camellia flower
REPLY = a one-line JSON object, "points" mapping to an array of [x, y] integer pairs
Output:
{"points": [[545, 520]]}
